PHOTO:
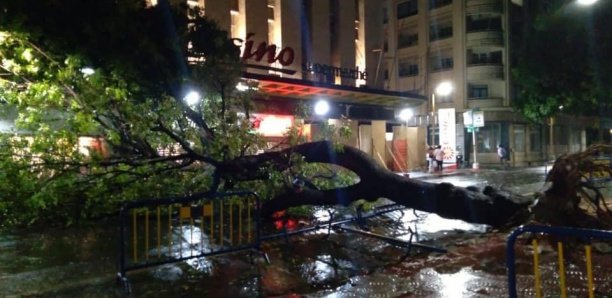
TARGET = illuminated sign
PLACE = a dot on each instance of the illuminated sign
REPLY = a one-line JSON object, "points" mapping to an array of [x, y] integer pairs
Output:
{"points": [[332, 71], [270, 125], [285, 56], [448, 137]]}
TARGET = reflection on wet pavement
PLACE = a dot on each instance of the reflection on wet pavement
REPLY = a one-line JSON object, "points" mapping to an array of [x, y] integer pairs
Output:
{"points": [[80, 262]]}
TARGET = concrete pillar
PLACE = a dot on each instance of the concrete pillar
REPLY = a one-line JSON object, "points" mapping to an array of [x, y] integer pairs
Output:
{"points": [[353, 126], [320, 33], [373, 39], [345, 52], [291, 35], [354, 138], [256, 21], [416, 144], [365, 138], [379, 128], [219, 11]]}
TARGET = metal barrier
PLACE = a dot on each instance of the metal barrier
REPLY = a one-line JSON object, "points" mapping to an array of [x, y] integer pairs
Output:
{"points": [[157, 232], [583, 234], [359, 218]]}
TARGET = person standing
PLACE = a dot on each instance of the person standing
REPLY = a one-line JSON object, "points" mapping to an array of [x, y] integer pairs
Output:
{"points": [[439, 155], [503, 155], [430, 158]]}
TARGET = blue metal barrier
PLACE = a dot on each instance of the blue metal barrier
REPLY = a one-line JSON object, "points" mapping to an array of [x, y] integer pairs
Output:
{"points": [[584, 234]]}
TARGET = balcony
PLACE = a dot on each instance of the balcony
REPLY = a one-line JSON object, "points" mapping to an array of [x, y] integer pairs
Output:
{"points": [[480, 7], [485, 102], [485, 38], [483, 72]]}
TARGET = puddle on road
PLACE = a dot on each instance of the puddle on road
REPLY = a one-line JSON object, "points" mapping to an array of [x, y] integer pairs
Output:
{"points": [[82, 262]]}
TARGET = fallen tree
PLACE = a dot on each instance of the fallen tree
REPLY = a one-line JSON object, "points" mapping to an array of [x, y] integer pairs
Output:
{"points": [[487, 206], [576, 193], [127, 93]]}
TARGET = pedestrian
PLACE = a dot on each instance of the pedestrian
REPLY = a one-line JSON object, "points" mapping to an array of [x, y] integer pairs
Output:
{"points": [[502, 153], [430, 158], [439, 155]]}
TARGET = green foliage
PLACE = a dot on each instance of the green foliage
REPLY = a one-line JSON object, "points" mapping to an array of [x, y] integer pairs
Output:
{"points": [[564, 65], [152, 144], [66, 74]]}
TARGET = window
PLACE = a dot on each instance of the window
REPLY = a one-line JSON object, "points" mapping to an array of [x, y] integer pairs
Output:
{"points": [[442, 63], [440, 31], [478, 91], [406, 9], [433, 4], [270, 13], [475, 24], [535, 138], [485, 58], [444, 98], [195, 6], [519, 138], [407, 38], [385, 15], [408, 67], [561, 135], [488, 138]]}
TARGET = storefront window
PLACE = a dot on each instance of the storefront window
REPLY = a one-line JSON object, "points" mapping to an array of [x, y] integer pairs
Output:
{"points": [[488, 137], [561, 136], [519, 138], [535, 138]]}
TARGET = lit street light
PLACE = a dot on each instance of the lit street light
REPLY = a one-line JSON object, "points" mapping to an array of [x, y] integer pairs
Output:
{"points": [[192, 98], [321, 108], [586, 2], [442, 89], [405, 114], [87, 71]]}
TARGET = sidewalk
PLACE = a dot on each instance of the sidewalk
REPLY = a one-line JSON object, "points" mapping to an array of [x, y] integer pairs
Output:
{"points": [[453, 171]]}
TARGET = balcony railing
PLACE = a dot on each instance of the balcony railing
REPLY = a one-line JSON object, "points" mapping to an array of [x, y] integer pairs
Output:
{"points": [[483, 7], [487, 38], [480, 72]]}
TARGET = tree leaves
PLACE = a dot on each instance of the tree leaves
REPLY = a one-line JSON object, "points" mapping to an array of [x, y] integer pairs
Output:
{"points": [[564, 66]]}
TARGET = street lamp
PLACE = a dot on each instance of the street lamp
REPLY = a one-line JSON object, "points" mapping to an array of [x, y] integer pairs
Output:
{"points": [[192, 98], [321, 107], [442, 89], [586, 2], [405, 114]]}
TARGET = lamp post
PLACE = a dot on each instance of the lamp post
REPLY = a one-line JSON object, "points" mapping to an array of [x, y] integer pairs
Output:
{"points": [[442, 89]]}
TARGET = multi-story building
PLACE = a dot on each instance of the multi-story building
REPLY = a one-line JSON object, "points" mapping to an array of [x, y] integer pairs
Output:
{"points": [[300, 52], [471, 44], [370, 59]]}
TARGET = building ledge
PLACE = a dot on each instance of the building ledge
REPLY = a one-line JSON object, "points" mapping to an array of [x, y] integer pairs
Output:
{"points": [[286, 88]]}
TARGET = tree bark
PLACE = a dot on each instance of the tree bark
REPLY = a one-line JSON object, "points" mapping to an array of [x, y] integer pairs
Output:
{"points": [[487, 206]]}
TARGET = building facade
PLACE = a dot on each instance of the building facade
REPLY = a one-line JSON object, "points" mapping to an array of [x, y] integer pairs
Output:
{"points": [[469, 44], [371, 59], [300, 52]]}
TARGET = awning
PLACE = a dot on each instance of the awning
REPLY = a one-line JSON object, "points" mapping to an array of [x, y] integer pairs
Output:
{"points": [[286, 88]]}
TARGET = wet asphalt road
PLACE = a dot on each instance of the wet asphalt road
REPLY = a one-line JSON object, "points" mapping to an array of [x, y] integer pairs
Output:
{"points": [[80, 262]]}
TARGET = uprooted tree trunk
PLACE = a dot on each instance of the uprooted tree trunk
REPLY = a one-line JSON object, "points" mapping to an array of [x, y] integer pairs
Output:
{"points": [[487, 206], [574, 197]]}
